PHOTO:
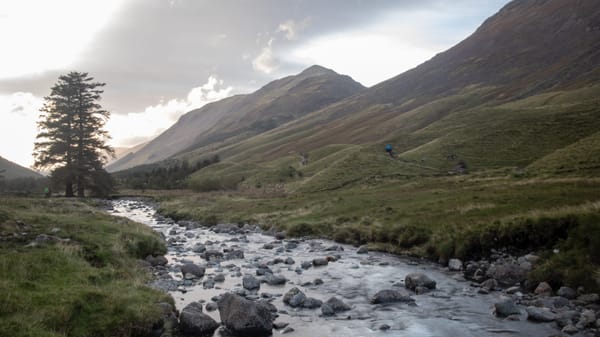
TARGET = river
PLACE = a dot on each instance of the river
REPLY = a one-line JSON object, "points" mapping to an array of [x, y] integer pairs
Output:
{"points": [[454, 308]]}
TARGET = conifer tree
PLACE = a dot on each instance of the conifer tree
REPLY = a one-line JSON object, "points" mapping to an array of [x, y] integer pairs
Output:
{"points": [[72, 142]]}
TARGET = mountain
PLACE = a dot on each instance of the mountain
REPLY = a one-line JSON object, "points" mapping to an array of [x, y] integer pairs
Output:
{"points": [[10, 170], [239, 117], [121, 152], [524, 85]]}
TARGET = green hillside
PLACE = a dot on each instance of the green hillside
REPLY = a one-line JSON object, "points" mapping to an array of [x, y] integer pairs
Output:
{"points": [[495, 145], [10, 170]]}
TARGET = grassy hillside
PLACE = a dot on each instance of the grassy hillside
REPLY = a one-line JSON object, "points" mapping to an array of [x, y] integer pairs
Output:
{"points": [[10, 170], [90, 285]]}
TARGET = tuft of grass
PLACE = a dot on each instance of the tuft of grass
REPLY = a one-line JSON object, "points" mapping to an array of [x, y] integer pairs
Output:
{"points": [[90, 285]]}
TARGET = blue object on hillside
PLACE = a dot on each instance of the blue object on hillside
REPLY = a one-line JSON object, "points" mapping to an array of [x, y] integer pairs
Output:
{"points": [[388, 148]]}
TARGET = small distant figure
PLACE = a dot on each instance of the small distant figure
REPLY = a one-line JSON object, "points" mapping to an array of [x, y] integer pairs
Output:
{"points": [[47, 192], [388, 149]]}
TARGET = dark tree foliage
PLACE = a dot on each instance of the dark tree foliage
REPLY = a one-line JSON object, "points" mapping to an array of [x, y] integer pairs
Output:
{"points": [[71, 140], [23, 186], [164, 176]]}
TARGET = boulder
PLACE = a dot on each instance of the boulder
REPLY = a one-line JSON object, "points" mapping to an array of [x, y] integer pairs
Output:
{"points": [[234, 255], [289, 261], [543, 289], [507, 273], [306, 264], [296, 298], [243, 317], [194, 269], [390, 296], [320, 262], [570, 329], [362, 250], [455, 265], [211, 306], [199, 248], [489, 285], [505, 308], [540, 314], [567, 292], [275, 279], [587, 319], [226, 228], [212, 255], [311, 303], [414, 280], [327, 310], [250, 282], [337, 305], [156, 260], [588, 298], [193, 321]]}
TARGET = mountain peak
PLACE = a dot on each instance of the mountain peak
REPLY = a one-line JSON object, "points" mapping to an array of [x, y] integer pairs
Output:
{"points": [[316, 70]]}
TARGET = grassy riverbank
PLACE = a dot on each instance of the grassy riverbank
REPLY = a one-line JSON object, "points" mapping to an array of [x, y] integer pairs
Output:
{"points": [[435, 217], [84, 280]]}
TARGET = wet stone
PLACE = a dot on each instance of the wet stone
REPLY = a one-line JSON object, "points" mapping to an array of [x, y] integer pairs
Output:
{"points": [[250, 282], [320, 262]]}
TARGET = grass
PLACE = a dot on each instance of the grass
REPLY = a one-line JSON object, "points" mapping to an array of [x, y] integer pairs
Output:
{"points": [[436, 217], [532, 165], [88, 286]]}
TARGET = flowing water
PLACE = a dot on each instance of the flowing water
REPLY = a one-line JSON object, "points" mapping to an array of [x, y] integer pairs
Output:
{"points": [[454, 308]]}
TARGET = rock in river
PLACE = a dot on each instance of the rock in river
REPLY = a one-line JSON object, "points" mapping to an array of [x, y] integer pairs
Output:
{"points": [[194, 269], [193, 321], [414, 280], [389, 296], [243, 317], [250, 282], [506, 307], [540, 314]]}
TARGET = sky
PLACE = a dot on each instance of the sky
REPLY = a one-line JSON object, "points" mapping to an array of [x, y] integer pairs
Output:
{"points": [[162, 58]]}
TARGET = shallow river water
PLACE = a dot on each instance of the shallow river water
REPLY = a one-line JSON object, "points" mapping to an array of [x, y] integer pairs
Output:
{"points": [[454, 308]]}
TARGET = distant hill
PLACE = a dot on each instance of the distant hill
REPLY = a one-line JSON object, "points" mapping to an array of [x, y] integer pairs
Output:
{"points": [[10, 170], [239, 117], [121, 152]]}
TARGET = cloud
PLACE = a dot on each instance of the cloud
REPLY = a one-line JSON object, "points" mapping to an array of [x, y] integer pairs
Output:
{"points": [[137, 127], [40, 34], [291, 28], [266, 62], [20, 112]]}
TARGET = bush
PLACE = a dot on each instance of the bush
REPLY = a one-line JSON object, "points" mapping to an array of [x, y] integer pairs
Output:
{"points": [[142, 246], [302, 229]]}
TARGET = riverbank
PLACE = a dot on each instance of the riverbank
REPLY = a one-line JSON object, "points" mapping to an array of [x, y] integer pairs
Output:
{"points": [[69, 269], [434, 217], [375, 292]]}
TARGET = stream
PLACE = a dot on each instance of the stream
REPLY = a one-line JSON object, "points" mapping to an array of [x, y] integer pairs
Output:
{"points": [[454, 308]]}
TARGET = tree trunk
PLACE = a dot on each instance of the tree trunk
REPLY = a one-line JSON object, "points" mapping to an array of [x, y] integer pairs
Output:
{"points": [[68, 189], [80, 187]]}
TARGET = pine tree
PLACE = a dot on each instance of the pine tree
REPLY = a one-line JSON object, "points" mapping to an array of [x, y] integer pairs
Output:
{"points": [[72, 140]]}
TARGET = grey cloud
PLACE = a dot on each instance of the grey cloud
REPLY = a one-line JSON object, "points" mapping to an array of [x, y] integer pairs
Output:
{"points": [[155, 49]]}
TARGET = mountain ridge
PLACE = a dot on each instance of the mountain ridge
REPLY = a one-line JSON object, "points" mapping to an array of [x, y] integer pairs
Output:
{"points": [[241, 116]]}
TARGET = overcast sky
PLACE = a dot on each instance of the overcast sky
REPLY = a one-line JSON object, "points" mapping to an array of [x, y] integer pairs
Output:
{"points": [[162, 58]]}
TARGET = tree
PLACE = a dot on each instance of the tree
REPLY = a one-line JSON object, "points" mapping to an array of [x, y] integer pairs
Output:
{"points": [[72, 142]]}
